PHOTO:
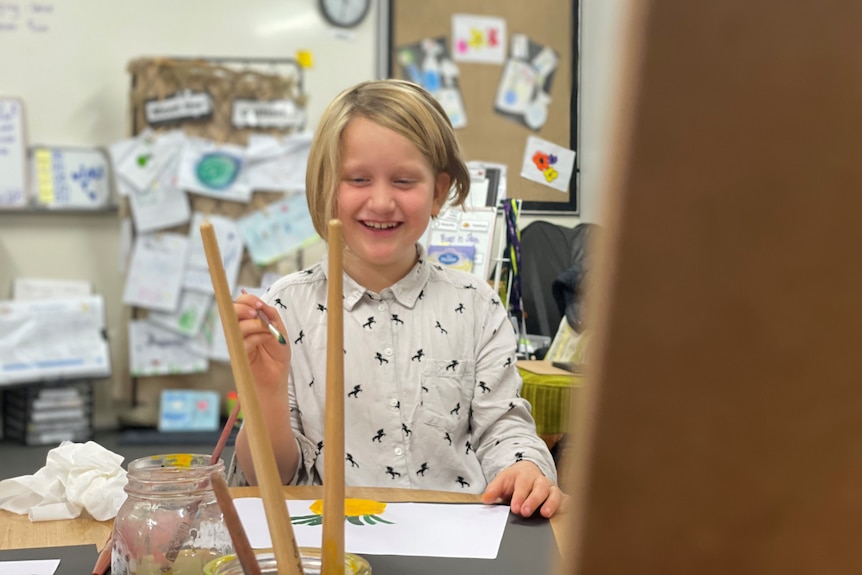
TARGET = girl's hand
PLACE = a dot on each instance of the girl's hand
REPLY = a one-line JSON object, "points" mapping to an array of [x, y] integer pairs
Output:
{"points": [[526, 489], [269, 359]]}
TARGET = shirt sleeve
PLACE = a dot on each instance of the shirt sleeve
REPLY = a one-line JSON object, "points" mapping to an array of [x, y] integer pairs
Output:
{"points": [[504, 431]]}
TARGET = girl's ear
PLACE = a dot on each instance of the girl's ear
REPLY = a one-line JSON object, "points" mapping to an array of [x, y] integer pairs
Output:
{"points": [[441, 192]]}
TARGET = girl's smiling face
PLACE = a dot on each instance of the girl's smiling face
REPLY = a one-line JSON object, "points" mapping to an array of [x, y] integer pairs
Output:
{"points": [[386, 196]]}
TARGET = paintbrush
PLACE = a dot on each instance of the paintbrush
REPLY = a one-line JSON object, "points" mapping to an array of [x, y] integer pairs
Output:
{"points": [[272, 329], [268, 323], [241, 546]]}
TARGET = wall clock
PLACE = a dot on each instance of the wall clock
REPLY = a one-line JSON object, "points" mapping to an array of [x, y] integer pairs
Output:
{"points": [[344, 13]]}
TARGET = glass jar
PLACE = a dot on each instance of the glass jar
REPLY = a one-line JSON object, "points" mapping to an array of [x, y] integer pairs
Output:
{"points": [[171, 522], [311, 559]]}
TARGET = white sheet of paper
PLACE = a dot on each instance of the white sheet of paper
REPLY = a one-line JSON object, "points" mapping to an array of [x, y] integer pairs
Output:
{"points": [[32, 288], [146, 158], [13, 154], [53, 339], [197, 276], [156, 271], [34, 567], [156, 351], [450, 99], [547, 163], [417, 529], [480, 39], [277, 165], [161, 205]]}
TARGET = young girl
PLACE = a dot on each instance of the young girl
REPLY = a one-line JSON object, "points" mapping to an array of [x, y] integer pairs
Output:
{"points": [[429, 353]]}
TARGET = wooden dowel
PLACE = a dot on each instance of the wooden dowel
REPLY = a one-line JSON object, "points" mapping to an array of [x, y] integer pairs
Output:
{"points": [[241, 545], [332, 552], [284, 545]]}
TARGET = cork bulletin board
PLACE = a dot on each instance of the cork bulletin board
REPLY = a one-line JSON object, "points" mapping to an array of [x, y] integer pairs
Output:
{"points": [[225, 80], [489, 134]]}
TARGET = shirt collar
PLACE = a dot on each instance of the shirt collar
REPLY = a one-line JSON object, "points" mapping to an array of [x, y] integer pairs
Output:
{"points": [[405, 291]]}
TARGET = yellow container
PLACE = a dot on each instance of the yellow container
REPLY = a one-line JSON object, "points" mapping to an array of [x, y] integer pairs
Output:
{"points": [[311, 559]]}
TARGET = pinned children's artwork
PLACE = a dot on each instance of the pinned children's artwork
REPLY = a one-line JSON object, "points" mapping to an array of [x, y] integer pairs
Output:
{"points": [[480, 39], [156, 351], [197, 275], [213, 170], [163, 204], [149, 155], [70, 178], [188, 410], [428, 64], [13, 156], [277, 164], [548, 163], [210, 341], [189, 316], [523, 94], [156, 271], [278, 230]]}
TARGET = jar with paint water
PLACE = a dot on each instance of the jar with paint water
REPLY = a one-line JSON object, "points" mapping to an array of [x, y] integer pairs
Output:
{"points": [[171, 522], [311, 562]]}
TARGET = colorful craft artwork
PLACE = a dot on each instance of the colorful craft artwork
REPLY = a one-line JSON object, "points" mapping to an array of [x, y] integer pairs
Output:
{"points": [[480, 39], [356, 511], [218, 170], [545, 163]]}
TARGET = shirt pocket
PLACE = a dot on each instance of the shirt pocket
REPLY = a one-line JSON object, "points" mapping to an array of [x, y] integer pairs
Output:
{"points": [[445, 401]]}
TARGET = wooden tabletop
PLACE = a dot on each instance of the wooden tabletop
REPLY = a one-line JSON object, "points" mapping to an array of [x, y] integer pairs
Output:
{"points": [[18, 532]]}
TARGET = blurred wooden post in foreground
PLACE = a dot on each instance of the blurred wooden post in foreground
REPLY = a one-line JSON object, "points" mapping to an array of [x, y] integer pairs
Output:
{"points": [[722, 422]]}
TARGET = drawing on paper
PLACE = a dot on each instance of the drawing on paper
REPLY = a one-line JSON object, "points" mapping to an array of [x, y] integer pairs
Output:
{"points": [[356, 511], [217, 170]]}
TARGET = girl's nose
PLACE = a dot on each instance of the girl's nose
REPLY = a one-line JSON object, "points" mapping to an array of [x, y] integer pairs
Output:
{"points": [[382, 198]]}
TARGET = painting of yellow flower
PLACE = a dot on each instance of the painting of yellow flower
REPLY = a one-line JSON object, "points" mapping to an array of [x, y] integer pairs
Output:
{"points": [[356, 511]]}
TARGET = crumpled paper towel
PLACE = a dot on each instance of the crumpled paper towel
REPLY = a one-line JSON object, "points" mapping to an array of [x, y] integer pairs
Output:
{"points": [[76, 476]]}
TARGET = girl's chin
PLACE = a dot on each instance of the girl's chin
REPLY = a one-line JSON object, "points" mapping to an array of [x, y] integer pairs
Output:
{"points": [[385, 257]]}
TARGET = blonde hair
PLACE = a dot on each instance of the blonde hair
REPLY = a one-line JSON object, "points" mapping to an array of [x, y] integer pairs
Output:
{"points": [[403, 107]]}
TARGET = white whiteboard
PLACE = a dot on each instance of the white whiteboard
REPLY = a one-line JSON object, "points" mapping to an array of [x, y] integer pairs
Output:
{"points": [[66, 59]]}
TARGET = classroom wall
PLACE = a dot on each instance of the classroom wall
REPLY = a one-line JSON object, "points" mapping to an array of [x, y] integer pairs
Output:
{"points": [[88, 246]]}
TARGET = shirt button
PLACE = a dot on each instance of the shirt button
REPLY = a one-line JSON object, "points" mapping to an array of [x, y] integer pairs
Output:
{"points": [[393, 402], [388, 351], [382, 307], [398, 451]]}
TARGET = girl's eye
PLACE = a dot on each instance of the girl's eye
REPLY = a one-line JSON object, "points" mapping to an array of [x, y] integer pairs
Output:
{"points": [[403, 182]]}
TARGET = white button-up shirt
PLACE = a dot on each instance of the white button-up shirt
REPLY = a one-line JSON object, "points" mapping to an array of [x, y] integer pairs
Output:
{"points": [[431, 387]]}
